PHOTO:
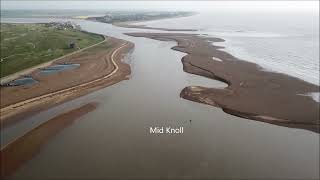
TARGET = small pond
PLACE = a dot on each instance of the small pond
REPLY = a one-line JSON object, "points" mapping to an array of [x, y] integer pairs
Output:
{"points": [[26, 80], [58, 68]]}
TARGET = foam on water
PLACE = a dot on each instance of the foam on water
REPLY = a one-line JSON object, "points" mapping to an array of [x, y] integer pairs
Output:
{"points": [[314, 95], [281, 55]]}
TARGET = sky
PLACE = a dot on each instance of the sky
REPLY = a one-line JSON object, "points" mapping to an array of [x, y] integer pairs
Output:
{"points": [[163, 5]]}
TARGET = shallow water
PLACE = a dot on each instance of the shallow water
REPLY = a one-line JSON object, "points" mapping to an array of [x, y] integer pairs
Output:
{"points": [[114, 140], [22, 81], [58, 68]]}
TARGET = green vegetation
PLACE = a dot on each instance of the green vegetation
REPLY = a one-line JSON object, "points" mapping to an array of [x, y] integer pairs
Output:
{"points": [[27, 45]]}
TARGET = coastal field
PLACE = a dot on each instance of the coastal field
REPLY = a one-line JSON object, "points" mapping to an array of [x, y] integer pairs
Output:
{"points": [[27, 45]]}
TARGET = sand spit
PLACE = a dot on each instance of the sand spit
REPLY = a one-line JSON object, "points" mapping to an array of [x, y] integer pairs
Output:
{"points": [[100, 67], [251, 93], [132, 25], [24, 148]]}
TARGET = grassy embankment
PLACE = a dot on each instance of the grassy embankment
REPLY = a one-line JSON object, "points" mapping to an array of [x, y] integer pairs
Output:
{"points": [[27, 45]]}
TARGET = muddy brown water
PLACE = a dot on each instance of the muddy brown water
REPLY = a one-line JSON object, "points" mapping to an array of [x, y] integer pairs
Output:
{"points": [[114, 140]]}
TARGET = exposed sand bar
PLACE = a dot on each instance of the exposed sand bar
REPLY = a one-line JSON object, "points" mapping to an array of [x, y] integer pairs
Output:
{"points": [[132, 25], [252, 93], [24, 148], [100, 66]]}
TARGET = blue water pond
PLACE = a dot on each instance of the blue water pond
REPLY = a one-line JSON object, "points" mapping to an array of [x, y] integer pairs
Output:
{"points": [[27, 80], [58, 68]]}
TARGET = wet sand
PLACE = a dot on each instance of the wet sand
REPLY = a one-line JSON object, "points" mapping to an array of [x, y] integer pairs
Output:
{"points": [[131, 25], [100, 67], [16, 153], [252, 93]]}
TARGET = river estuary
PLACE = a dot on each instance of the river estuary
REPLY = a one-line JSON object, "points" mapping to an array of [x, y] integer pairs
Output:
{"points": [[115, 141]]}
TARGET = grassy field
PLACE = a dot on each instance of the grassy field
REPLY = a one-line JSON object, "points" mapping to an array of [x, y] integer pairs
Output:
{"points": [[27, 45]]}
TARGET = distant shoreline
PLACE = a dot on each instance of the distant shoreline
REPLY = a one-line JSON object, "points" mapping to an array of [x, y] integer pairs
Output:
{"points": [[130, 23]]}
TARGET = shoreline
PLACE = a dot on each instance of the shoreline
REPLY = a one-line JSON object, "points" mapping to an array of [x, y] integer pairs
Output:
{"points": [[130, 25], [251, 93], [100, 68]]}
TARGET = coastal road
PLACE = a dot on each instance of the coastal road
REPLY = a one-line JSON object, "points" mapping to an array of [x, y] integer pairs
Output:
{"points": [[10, 110]]}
